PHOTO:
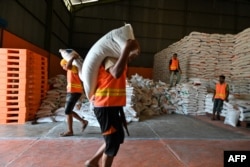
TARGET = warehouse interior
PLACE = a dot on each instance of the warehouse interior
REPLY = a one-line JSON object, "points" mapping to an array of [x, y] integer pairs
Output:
{"points": [[168, 126]]}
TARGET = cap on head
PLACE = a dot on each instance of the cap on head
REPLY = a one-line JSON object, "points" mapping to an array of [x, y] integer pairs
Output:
{"points": [[63, 62]]}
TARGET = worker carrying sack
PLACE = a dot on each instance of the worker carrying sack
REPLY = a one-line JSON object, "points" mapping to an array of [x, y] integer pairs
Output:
{"points": [[110, 45], [67, 55]]}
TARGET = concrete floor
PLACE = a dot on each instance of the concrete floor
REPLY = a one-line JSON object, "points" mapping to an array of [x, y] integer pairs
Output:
{"points": [[163, 141]]}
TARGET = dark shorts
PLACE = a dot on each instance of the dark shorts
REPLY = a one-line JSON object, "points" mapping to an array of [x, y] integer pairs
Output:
{"points": [[107, 117], [71, 99], [218, 105]]}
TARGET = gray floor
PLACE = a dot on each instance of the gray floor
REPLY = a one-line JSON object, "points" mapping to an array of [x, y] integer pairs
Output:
{"points": [[166, 127]]}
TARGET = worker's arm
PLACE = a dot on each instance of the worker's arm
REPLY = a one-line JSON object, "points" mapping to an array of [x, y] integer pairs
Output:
{"points": [[179, 67], [69, 63], [214, 95], [130, 50], [170, 62], [227, 93]]}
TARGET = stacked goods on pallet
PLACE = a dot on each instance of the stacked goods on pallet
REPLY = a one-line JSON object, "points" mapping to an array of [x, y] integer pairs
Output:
{"points": [[52, 105], [52, 108], [206, 56], [189, 98], [21, 85], [241, 63], [154, 98]]}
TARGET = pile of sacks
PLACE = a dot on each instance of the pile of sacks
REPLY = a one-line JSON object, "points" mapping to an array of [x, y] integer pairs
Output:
{"points": [[54, 99], [207, 56], [146, 97], [189, 98], [52, 106]]}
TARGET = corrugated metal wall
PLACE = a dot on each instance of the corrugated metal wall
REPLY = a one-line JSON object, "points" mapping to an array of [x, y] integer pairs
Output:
{"points": [[43, 23], [157, 23]]}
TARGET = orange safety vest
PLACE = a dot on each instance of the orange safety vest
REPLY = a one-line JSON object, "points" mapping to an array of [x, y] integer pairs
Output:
{"points": [[74, 84], [174, 64], [110, 91], [220, 91]]}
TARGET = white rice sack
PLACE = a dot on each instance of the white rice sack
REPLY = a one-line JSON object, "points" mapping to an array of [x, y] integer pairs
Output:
{"points": [[60, 111], [67, 55], [110, 45], [45, 119], [60, 118], [232, 117]]}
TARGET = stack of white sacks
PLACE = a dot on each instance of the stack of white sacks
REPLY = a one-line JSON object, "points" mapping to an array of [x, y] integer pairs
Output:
{"points": [[144, 98], [241, 63], [207, 56], [49, 110], [52, 106]]}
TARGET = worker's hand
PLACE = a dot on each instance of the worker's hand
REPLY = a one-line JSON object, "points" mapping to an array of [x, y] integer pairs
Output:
{"points": [[75, 56], [133, 45], [78, 106]]}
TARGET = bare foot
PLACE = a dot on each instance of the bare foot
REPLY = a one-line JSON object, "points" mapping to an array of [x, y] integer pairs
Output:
{"points": [[65, 134], [84, 124], [90, 164]]}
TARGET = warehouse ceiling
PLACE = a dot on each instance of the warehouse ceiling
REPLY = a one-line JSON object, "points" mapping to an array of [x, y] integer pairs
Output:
{"points": [[75, 5]]}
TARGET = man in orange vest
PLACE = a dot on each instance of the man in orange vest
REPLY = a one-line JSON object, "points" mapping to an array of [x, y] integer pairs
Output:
{"points": [[74, 92], [221, 94], [174, 69], [108, 101]]}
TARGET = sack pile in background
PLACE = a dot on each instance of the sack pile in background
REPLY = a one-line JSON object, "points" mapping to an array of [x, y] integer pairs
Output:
{"points": [[144, 98], [207, 56], [54, 99]]}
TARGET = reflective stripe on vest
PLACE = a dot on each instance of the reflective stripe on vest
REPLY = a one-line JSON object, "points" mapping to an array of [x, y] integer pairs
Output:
{"points": [[110, 91], [174, 64], [220, 91]]}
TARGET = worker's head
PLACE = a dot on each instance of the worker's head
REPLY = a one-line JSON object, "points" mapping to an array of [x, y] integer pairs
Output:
{"points": [[222, 78], [63, 64], [175, 55]]}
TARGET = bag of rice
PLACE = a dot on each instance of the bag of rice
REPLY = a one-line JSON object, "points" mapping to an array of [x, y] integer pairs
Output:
{"points": [[110, 45]]}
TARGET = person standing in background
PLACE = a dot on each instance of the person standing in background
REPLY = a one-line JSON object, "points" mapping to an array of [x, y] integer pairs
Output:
{"points": [[221, 94], [74, 92], [108, 101], [174, 69]]}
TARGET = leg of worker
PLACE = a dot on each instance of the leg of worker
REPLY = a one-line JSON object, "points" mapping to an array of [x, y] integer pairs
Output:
{"points": [[214, 108], [107, 160], [219, 108], [70, 123], [178, 77], [97, 156], [171, 78], [84, 122]]}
